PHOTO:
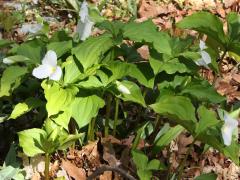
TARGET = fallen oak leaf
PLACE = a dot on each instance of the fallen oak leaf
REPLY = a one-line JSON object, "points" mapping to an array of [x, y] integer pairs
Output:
{"points": [[74, 171]]}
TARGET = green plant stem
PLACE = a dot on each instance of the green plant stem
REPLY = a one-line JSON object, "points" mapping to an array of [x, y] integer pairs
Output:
{"points": [[92, 128], [108, 111], [47, 162], [89, 131], [220, 62], [116, 116], [183, 162]]}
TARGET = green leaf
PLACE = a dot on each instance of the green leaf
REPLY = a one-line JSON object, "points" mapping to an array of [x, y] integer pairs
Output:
{"points": [[163, 62], [135, 93], [86, 108], [90, 83], [27, 139], [90, 52], [178, 108], [139, 156], [155, 164], [72, 71], [207, 120], [60, 47], [207, 23], [166, 138], [203, 91], [140, 32], [62, 118], [5, 43], [69, 141], [233, 20], [143, 73], [22, 108], [10, 172], [10, 79], [144, 174], [208, 176], [34, 50], [58, 99]]}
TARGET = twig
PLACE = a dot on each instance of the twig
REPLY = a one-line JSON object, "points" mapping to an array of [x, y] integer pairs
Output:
{"points": [[104, 168]]}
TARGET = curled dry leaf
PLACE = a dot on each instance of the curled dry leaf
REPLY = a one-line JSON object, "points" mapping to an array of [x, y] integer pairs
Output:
{"points": [[73, 171]]}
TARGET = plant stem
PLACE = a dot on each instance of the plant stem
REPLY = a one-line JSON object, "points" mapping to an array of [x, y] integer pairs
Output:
{"points": [[115, 116], [108, 110], [182, 164], [92, 128], [89, 131], [47, 162], [220, 61]]}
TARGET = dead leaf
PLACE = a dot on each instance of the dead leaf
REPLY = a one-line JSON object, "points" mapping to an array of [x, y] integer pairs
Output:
{"points": [[107, 175], [74, 171]]}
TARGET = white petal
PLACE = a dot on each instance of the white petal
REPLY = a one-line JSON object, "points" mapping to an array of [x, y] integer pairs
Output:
{"points": [[202, 45], [42, 71], [56, 75], [83, 11], [84, 29], [7, 61], [228, 128], [206, 57], [227, 135], [201, 62], [123, 89], [50, 58]]}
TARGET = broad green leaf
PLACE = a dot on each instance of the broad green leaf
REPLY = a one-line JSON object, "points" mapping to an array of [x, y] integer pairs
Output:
{"points": [[171, 46], [27, 139], [72, 71], [135, 93], [10, 172], [34, 50], [208, 176], [164, 62], [155, 164], [63, 118], [139, 156], [22, 108], [60, 47], [10, 79], [58, 99], [91, 82], [86, 108], [5, 43], [114, 27], [177, 82], [178, 108], [90, 52], [144, 174], [207, 119], [140, 32], [73, 4], [207, 23], [233, 20], [166, 138], [234, 50], [203, 91], [69, 141], [143, 73], [11, 158]]}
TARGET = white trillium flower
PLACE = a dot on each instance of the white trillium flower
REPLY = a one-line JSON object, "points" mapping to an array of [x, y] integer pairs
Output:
{"points": [[227, 129], [7, 61], [31, 28], [123, 89], [205, 57], [84, 26], [48, 68]]}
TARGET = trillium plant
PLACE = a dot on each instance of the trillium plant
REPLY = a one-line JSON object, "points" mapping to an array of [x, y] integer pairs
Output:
{"points": [[59, 91]]}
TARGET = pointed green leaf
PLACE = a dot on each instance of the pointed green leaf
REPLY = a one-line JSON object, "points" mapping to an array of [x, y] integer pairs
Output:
{"points": [[86, 108], [208, 176], [207, 23], [90, 52], [10, 79]]}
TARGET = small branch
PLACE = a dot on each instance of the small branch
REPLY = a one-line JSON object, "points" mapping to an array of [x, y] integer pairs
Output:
{"points": [[104, 168]]}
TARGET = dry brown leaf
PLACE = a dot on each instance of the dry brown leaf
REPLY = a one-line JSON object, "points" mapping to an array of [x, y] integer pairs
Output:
{"points": [[74, 171], [107, 175], [149, 9], [36, 176], [236, 77]]}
